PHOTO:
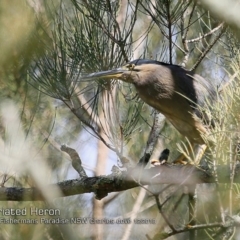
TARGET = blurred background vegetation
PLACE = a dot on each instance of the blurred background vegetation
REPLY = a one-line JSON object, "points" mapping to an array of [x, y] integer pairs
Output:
{"points": [[45, 48]]}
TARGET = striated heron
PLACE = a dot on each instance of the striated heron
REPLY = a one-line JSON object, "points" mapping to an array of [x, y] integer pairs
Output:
{"points": [[177, 93]]}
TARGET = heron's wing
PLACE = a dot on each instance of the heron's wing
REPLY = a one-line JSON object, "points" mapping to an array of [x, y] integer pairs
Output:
{"points": [[206, 96], [197, 91]]}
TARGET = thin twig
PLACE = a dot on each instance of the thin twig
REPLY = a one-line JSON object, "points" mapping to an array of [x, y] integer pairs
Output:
{"points": [[76, 161], [232, 175], [158, 24], [192, 228], [228, 82], [79, 116], [206, 34], [218, 192], [153, 137], [184, 36], [192, 217], [168, 3], [208, 48], [159, 206], [134, 213]]}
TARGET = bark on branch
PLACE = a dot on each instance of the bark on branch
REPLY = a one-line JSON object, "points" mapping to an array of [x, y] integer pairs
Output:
{"points": [[120, 181]]}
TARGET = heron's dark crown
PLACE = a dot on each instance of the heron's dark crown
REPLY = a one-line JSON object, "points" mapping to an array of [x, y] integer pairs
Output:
{"points": [[140, 61]]}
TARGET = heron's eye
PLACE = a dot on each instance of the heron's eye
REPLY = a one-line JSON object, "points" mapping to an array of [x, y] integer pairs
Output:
{"points": [[130, 66]]}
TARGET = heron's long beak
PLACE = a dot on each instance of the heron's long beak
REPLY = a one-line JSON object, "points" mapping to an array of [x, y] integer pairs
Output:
{"points": [[115, 73]]}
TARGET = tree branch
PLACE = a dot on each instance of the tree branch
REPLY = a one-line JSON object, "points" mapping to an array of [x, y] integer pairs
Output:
{"points": [[115, 182]]}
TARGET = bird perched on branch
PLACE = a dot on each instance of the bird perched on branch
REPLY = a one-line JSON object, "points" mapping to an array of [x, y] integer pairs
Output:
{"points": [[177, 93]]}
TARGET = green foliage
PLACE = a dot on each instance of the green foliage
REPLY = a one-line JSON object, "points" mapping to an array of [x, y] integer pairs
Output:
{"points": [[50, 46]]}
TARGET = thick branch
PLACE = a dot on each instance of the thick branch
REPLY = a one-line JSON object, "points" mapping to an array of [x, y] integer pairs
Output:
{"points": [[102, 185]]}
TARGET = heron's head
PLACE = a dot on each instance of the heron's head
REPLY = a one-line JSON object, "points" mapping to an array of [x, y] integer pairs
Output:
{"points": [[132, 72]]}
